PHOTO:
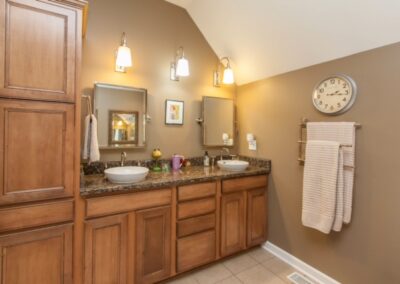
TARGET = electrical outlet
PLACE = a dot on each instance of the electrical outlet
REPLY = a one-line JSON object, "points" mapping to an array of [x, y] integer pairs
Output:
{"points": [[253, 145]]}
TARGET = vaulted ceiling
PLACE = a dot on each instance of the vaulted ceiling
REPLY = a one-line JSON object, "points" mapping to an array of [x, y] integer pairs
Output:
{"points": [[269, 37]]}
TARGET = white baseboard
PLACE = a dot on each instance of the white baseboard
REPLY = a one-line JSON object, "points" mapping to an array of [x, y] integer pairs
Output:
{"points": [[312, 273]]}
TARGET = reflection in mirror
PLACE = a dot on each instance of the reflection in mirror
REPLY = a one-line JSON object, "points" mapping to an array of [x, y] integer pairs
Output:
{"points": [[121, 114], [123, 128], [218, 121]]}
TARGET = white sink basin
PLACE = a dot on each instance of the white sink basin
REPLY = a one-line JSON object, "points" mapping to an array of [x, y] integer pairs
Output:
{"points": [[232, 165], [126, 174]]}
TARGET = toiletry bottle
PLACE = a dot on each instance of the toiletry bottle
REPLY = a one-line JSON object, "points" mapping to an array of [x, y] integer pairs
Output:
{"points": [[206, 159]]}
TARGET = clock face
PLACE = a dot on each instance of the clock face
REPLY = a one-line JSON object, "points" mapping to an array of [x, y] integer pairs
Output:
{"points": [[335, 94]]}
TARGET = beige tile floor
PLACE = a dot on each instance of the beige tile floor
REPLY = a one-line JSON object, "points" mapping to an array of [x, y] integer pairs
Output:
{"points": [[256, 266]]}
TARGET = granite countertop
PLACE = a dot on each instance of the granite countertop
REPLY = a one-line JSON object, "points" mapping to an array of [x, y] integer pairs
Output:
{"points": [[97, 184]]}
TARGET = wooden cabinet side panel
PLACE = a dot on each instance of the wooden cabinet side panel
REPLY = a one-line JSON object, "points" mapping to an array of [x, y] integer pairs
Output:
{"points": [[38, 256]]}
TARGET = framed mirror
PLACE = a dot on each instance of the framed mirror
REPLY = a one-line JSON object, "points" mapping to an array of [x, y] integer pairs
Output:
{"points": [[218, 122], [121, 113]]}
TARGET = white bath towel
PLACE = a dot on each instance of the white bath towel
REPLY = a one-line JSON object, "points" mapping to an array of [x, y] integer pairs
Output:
{"points": [[320, 184], [91, 144], [344, 133]]}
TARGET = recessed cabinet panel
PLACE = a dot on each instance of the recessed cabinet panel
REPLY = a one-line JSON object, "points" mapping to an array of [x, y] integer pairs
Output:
{"points": [[38, 51], [195, 250], [106, 250], [39, 256], [36, 157], [256, 216], [153, 245], [233, 223]]}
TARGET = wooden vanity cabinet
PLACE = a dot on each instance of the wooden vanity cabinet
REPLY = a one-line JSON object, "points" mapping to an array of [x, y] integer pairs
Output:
{"points": [[196, 225], [37, 256], [243, 213], [133, 246], [38, 50]]}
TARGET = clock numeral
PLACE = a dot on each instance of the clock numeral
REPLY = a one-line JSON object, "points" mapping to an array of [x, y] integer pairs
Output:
{"points": [[326, 105], [319, 96], [333, 81], [347, 92], [321, 90], [320, 102], [325, 84], [344, 99], [344, 85], [339, 104], [331, 107]]}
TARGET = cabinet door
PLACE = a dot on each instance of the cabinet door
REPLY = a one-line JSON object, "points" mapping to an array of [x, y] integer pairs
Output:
{"points": [[106, 250], [233, 223], [36, 150], [39, 256], [37, 50], [153, 245], [256, 216]]}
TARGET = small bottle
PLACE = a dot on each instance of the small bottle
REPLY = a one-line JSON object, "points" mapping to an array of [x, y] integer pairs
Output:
{"points": [[206, 159]]}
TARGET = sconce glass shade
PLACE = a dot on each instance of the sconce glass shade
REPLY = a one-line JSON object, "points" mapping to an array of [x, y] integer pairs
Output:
{"points": [[228, 76], [124, 57], [182, 67]]}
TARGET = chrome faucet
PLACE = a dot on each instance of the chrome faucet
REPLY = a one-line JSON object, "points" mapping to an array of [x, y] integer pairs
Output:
{"points": [[123, 158], [224, 150]]}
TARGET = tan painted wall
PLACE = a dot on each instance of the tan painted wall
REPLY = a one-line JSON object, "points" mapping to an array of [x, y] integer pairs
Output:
{"points": [[368, 250], [155, 29]]}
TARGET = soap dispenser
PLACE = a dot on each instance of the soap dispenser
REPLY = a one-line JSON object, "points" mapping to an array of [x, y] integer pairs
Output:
{"points": [[206, 159]]}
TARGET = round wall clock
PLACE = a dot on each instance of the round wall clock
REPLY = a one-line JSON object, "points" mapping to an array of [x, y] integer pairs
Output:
{"points": [[335, 94]]}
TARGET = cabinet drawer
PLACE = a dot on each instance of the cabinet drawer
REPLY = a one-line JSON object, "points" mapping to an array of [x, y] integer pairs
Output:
{"points": [[36, 215], [195, 191], [196, 225], [195, 250], [101, 206], [196, 208], [238, 184]]}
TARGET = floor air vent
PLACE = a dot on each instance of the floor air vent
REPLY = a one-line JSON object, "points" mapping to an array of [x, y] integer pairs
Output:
{"points": [[297, 278]]}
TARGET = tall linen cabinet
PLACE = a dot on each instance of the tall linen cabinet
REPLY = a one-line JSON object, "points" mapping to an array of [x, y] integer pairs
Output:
{"points": [[40, 54]]}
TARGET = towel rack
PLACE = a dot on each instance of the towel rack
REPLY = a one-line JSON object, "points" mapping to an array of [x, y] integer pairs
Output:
{"points": [[302, 141], [88, 104]]}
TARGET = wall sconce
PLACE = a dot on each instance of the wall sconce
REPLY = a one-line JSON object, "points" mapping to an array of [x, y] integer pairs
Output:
{"points": [[228, 77], [123, 56], [180, 67]]}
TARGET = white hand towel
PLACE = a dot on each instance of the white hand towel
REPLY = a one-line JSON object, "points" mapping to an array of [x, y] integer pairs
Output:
{"points": [[344, 133], [339, 210], [91, 144], [320, 184]]}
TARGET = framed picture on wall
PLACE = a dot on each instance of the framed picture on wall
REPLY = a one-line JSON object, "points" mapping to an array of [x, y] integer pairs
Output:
{"points": [[174, 112]]}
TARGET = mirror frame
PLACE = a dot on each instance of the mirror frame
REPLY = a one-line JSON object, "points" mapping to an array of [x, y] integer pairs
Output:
{"points": [[145, 116], [203, 125]]}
